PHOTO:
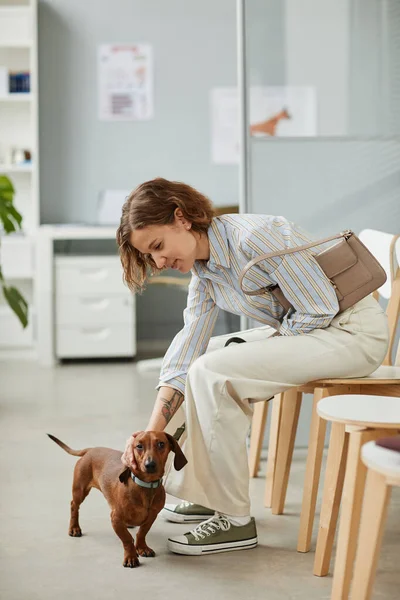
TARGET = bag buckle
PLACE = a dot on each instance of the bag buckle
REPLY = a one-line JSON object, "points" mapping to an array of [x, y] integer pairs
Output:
{"points": [[347, 233]]}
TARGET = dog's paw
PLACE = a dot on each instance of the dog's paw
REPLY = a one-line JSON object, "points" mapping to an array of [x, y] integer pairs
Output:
{"points": [[131, 561], [75, 531], [145, 551]]}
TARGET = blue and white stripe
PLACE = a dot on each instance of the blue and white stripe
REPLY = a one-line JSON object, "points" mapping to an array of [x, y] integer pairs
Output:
{"points": [[234, 241]]}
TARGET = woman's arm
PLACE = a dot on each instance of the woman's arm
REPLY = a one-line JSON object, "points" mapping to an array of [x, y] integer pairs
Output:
{"points": [[167, 403], [199, 320]]}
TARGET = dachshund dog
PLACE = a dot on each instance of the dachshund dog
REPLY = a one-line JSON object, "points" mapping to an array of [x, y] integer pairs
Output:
{"points": [[135, 498]]}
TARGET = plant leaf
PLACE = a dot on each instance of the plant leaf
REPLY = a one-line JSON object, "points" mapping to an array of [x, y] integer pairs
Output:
{"points": [[6, 185], [9, 215], [11, 220], [17, 303], [16, 215], [9, 226]]}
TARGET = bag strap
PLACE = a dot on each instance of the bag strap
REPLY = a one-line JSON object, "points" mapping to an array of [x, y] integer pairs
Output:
{"points": [[346, 234]]}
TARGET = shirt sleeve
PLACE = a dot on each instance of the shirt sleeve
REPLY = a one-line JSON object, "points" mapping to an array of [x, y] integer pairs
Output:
{"points": [[302, 282], [191, 342]]}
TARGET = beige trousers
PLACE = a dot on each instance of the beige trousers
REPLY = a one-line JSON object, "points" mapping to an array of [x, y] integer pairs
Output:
{"points": [[222, 384]]}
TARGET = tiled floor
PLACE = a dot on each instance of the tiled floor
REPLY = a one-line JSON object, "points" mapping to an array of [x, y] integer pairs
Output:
{"points": [[100, 404]]}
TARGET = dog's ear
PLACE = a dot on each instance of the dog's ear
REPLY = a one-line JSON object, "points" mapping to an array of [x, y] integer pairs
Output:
{"points": [[124, 475], [180, 459]]}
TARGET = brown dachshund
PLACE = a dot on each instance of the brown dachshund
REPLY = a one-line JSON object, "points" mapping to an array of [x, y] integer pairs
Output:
{"points": [[135, 498]]}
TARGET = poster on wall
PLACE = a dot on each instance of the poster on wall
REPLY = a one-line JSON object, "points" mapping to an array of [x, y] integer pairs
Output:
{"points": [[283, 111], [125, 82], [275, 111]]}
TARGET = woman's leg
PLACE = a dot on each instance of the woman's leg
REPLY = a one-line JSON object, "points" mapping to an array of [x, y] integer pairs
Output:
{"points": [[219, 384]]}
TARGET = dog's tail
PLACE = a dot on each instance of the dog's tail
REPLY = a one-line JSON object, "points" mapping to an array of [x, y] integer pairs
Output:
{"points": [[67, 448]]}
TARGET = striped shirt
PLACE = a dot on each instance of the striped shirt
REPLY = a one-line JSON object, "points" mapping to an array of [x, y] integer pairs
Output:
{"points": [[234, 241]]}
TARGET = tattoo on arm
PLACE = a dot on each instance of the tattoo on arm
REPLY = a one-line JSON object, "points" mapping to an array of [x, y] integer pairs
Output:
{"points": [[169, 407]]}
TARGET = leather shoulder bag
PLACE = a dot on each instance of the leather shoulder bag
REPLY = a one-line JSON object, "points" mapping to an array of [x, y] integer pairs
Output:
{"points": [[350, 267]]}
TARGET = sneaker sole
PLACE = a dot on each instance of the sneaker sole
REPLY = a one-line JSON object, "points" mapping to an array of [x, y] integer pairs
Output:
{"points": [[187, 549], [174, 517]]}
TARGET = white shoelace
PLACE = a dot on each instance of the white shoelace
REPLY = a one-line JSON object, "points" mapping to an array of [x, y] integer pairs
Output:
{"points": [[207, 528]]}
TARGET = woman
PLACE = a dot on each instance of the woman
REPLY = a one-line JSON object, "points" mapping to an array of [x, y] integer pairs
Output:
{"points": [[168, 224]]}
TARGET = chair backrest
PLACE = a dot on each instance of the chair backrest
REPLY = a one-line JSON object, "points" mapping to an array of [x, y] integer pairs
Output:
{"points": [[393, 307], [386, 248], [396, 286]]}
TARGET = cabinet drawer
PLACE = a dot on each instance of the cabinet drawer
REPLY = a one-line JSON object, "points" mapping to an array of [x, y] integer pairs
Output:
{"points": [[88, 310], [89, 275], [94, 341]]}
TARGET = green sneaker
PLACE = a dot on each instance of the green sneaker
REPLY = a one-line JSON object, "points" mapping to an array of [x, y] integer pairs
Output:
{"points": [[186, 512], [217, 534]]}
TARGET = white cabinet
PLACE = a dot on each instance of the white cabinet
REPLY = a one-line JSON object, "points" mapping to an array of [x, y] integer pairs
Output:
{"points": [[94, 310]]}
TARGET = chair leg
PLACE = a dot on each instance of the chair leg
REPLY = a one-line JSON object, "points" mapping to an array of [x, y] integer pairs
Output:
{"points": [[376, 500], [257, 435], [272, 447], [333, 486], [287, 433], [353, 491], [313, 472]]}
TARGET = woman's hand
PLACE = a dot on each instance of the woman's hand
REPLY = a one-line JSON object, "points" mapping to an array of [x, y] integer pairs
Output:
{"points": [[128, 457]]}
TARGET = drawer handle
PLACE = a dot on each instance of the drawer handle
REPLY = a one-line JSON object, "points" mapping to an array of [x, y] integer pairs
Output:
{"points": [[94, 274], [95, 304], [96, 332]]}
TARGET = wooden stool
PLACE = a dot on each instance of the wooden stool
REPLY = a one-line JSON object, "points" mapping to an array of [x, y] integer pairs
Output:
{"points": [[383, 473], [356, 419]]}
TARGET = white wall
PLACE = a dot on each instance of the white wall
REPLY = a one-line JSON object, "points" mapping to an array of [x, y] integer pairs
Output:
{"points": [[194, 50]]}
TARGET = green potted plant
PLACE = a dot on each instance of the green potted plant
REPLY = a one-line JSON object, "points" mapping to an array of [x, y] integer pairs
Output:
{"points": [[10, 220]]}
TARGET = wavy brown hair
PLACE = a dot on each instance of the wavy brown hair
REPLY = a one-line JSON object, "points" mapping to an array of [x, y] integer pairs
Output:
{"points": [[154, 203]]}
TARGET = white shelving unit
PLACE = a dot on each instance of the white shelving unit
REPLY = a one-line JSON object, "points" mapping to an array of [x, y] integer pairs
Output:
{"points": [[15, 97], [19, 130]]}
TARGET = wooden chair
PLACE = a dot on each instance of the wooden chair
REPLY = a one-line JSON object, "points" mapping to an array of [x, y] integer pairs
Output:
{"points": [[286, 406], [384, 381], [355, 419], [383, 473]]}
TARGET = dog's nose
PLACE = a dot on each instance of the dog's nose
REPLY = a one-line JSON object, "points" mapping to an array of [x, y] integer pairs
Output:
{"points": [[150, 466]]}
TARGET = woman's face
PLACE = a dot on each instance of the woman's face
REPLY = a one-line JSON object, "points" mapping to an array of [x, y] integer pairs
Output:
{"points": [[172, 246]]}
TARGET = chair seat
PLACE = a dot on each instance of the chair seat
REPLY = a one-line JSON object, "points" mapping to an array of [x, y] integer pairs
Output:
{"points": [[386, 462], [361, 410], [382, 375]]}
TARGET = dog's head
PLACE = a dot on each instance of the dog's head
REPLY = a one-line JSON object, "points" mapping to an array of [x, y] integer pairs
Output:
{"points": [[151, 449]]}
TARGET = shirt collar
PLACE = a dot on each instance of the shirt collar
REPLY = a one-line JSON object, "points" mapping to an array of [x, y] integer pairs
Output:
{"points": [[219, 248]]}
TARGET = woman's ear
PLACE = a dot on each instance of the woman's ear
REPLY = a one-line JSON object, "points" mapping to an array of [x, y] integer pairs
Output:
{"points": [[181, 220]]}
